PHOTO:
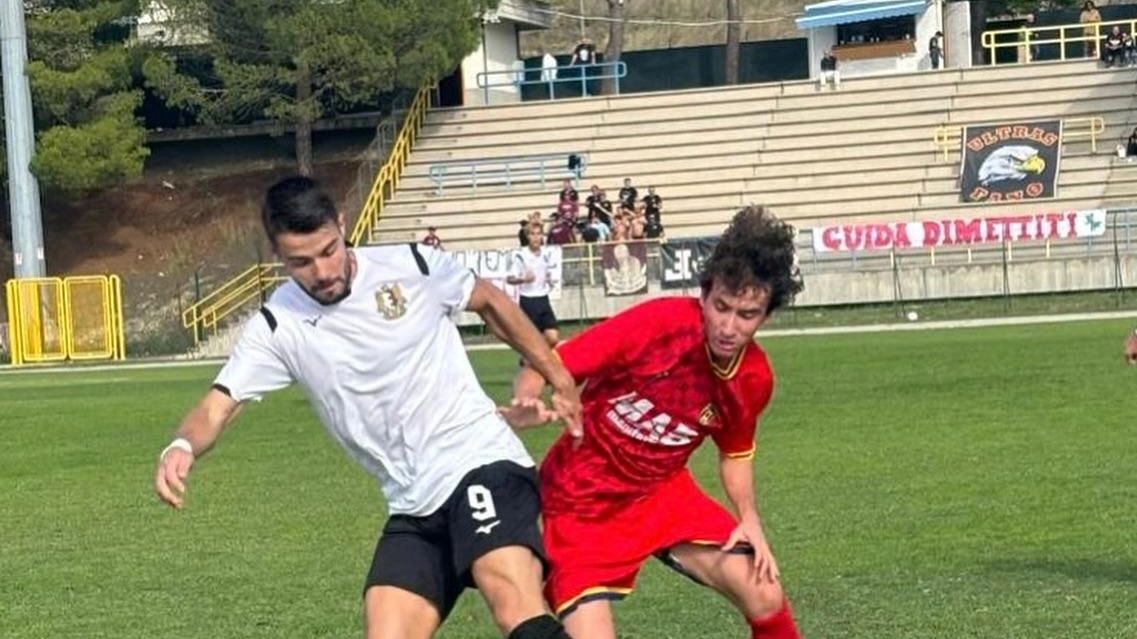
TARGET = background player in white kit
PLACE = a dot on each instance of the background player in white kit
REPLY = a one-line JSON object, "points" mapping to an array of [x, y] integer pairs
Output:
{"points": [[531, 273], [369, 335]]}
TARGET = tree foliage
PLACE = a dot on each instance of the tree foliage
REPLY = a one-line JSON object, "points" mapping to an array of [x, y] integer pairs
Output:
{"points": [[294, 61], [84, 94]]}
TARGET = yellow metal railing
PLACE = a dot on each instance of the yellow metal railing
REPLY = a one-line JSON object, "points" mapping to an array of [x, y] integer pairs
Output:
{"points": [[230, 297], [388, 179], [1024, 39], [52, 319], [251, 284], [947, 136]]}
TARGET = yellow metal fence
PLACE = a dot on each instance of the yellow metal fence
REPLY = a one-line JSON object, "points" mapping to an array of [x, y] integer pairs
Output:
{"points": [[250, 285], [1074, 40], [947, 137], [53, 319]]}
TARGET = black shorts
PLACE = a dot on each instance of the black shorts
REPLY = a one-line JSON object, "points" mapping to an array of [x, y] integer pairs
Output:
{"points": [[540, 312], [494, 506]]}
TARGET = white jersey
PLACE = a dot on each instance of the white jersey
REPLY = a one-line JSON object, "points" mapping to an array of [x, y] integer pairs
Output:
{"points": [[386, 371], [540, 264]]}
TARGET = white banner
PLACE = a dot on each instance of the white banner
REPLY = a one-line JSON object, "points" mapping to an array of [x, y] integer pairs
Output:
{"points": [[959, 232], [494, 266]]}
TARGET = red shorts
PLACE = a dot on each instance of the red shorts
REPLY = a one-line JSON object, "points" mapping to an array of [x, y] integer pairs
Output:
{"points": [[599, 558]]}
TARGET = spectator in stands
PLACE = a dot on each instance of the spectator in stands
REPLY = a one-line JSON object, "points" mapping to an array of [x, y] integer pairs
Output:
{"points": [[652, 202], [1127, 57], [653, 226], [599, 206], [1131, 146], [829, 72], [1090, 17], [584, 53], [621, 230], [935, 49], [568, 193], [561, 231], [628, 194], [432, 238], [1114, 53], [595, 230]]}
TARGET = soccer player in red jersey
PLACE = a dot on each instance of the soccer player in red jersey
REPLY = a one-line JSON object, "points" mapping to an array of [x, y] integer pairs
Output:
{"points": [[659, 378]]}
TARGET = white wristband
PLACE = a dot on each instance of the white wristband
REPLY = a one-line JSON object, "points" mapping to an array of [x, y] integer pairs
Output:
{"points": [[180, 443]]}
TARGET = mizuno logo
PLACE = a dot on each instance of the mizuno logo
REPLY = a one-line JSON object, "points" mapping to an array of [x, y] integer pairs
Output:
{"points": [[313, 320], [485, 530]]}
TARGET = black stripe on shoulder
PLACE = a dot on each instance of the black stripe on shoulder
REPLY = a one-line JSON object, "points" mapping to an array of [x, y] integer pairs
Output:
{"points": [[222, 388], [419, 259], [270, 318]]}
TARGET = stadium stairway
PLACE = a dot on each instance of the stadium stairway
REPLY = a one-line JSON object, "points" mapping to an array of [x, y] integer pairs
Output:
{"points": [[863, 152]]}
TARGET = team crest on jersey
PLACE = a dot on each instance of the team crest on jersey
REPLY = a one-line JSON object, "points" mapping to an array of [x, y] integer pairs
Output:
{"points": [[709, 416], [391, 301]]}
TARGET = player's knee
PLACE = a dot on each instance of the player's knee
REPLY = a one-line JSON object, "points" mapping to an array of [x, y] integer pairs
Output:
{"points": [[758, 599], [511, 586]]}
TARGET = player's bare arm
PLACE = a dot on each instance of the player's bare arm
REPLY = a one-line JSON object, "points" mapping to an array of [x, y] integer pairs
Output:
{"points": [[737, 475], [199, 430], [510, 325]]}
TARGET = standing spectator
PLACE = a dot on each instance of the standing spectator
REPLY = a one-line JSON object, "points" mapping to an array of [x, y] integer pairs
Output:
{"points": [[432, 238], [1090, 17], [628, 194], [1131, 146], [935, 49], [561, 231], [582, 56], [1114, 47], [584, 53], [1127, 56], [829, 72], [652, 202], [568, 193], [549, 72], [599, 205]]}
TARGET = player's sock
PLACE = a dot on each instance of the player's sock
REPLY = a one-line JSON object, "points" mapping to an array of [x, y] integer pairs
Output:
{"points": [[779, 625], [543, 627]]}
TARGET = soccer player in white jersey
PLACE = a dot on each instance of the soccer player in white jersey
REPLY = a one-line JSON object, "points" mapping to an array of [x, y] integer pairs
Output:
{"points": [[369, 335], [532, 274]]}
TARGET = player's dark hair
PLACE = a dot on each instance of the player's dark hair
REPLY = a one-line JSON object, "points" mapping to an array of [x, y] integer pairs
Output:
{"points": [[296, 205], [756, 250]]}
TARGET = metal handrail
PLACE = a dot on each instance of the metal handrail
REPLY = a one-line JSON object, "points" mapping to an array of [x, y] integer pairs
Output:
{"points": [[1030, 36], [467, 171], [946, 137], [609, 70]]}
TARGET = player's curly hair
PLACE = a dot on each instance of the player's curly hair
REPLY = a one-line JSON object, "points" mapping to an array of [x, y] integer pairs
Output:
{"points": [[756, 250]]}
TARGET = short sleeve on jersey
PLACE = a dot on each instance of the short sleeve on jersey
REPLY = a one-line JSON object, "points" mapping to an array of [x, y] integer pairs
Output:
{"points": [[746, 399], [453, 283], [623, 339], [255, 366]]}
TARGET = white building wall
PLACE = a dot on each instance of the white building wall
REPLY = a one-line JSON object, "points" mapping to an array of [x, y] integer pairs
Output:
{"points": [[500, 53], [927, 23], [957, 35]]}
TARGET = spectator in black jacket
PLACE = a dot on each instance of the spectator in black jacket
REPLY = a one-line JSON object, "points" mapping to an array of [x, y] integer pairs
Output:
{"points": [[829, 72]]}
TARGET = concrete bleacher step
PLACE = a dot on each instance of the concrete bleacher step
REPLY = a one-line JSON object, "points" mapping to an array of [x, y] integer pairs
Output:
{"points": [[863, 151]]}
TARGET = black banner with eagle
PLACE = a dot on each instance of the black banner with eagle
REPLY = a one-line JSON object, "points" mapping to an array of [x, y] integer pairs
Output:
{"points": [[1010, 162]]}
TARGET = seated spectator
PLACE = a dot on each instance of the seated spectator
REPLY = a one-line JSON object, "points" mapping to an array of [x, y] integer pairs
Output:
{"points": [[432, 238], [628, 194], [653, 226], [1114, 50], [652, 202], [561, 231], [829, 72], [594, 230]]}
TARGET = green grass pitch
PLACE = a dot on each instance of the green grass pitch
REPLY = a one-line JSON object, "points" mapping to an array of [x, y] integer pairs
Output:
{"points": [[974, 483]]}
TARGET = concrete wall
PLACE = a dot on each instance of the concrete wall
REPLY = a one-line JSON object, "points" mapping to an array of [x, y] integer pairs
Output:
{"points": [[957, 35], [916, 283], [500, 53]]}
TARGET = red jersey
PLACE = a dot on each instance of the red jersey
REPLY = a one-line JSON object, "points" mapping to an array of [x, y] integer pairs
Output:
{"points": [[651, 396]]}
